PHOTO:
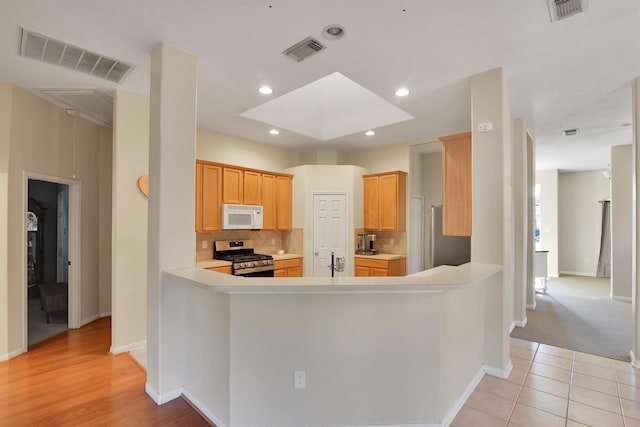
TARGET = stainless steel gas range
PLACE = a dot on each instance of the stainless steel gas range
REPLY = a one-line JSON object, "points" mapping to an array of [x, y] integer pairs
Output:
{"points": [[244, 261]]}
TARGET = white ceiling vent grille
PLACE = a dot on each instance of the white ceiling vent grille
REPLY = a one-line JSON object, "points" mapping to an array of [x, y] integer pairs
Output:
{"points": [[52, 51], [561, 9], [304, 49], [92, 104]]}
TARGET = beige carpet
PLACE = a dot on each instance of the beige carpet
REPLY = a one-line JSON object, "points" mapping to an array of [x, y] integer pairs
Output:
{"points": [[577, 314]]}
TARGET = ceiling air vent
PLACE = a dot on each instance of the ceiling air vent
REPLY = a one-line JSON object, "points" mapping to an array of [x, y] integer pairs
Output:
{"points": [[52, 51], [304, 49], [561, 9]]}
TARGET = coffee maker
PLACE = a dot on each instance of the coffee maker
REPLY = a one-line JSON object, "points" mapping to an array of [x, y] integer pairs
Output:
{"points": [[371, 238]]}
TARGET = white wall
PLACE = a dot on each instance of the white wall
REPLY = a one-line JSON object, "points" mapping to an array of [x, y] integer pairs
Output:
{"points": [[521, 232], [548, 202], [621, 221], [129, 233], [104, 217], [580, 220], [41, 140], [241, 152]]}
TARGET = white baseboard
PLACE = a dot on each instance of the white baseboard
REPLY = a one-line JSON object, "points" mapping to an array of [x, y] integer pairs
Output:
{"points": [[453, 411], [89, 320], [512, 326], [161, 399], [624, 299], [634, 362], [11, 354], [532, 306], [578, 273], [202, 409], [498, 372], [128, 347], [105, 314], [521, 323]]}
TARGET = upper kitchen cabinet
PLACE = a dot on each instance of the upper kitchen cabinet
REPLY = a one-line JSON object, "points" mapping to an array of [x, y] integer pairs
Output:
{"points": [[241, 186], [284, 202], [252, 194], [233, 186], [385, 201], [208, 197], [268, 201], [456, 191]]}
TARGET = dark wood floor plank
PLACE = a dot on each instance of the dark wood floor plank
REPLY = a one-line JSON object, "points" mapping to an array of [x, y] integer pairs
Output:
{"points": [[72, 380]]}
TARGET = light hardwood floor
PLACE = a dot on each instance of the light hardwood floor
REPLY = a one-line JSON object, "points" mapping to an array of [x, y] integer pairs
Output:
{"points": [[72, 380]]}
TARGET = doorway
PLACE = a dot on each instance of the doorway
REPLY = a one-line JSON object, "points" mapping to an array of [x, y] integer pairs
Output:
{"points": [[329, 233], [51, 245]]}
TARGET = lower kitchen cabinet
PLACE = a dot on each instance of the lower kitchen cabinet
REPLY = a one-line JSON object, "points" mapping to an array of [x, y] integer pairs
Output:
{"points": [[225, 269], [365, 267], [288, 268]]}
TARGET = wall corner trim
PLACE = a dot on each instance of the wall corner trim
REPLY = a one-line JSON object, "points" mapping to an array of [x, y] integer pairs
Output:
{"points": [[453, 411], [522, 323], [498, 372], [128, 347], [634, 362], [161, 399], [202, 409]]}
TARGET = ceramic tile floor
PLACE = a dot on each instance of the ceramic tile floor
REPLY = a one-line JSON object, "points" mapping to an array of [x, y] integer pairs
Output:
{"points": [[551, 386]]}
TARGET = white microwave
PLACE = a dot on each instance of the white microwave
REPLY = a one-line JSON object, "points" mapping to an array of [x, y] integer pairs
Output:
{"points": [[239, 217]]}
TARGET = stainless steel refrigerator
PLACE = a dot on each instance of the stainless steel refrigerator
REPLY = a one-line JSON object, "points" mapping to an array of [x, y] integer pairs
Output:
{"points": [[447, 250]]}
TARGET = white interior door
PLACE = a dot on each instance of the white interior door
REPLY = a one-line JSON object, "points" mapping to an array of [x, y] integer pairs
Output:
{"points": [[329, 232]]}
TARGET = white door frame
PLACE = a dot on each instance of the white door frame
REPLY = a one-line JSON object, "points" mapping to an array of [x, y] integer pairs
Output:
{"points": [[74, 249], [348, 223]]}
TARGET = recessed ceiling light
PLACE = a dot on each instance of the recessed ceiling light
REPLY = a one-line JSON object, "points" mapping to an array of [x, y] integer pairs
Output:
{"points": [[570, 132], [369, 133], [332, 32], [274, 131], [265, 90], [402, 92]]}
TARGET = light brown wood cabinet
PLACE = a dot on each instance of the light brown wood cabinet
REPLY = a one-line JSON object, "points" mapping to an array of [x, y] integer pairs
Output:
{"points": [[284, 202], [225, 269], [268, 201], [288, 268], [380, 267], [385, 201], [208, 197], [233, 186], [456, 184], [252, 183], [218, 183]]}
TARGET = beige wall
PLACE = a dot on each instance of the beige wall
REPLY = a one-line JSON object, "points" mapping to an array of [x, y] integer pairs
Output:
{"points": [[6, 95], [129, 232], [42, 141], [105, 156], [325, 179], [621, 221], [548, 203], [241, 152], [382, 159], [579, 221]]}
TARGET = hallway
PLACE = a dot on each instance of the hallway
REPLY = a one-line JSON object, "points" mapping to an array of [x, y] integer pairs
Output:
{"points": [[72, 380]]}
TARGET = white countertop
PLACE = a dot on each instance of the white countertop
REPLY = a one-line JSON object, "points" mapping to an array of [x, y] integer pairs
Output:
{"points": [[437, 279], [280, 257], [210, 263], [386, 257]]}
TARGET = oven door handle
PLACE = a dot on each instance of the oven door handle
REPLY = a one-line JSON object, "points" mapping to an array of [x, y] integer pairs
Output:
{"points": [[253, 270]]}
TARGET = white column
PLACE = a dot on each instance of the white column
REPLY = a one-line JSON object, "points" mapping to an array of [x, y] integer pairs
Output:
{"points": [[171, 234], [492, 233], [521, 202], [635, 342]]}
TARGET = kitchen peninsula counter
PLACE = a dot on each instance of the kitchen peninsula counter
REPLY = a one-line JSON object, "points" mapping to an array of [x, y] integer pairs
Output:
{"points": [[375, 350], [386, 257]]}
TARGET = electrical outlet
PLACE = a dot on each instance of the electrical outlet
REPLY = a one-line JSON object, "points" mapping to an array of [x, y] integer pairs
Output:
{"points": [[299, 379], [205, 244]]}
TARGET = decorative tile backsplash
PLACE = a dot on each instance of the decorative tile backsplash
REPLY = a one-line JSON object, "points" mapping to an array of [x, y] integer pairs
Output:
{"points": [[388, 242], [265, 242]]}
